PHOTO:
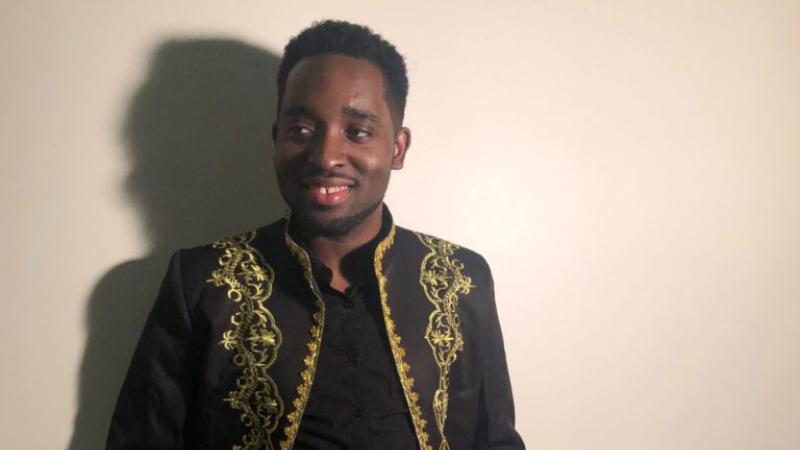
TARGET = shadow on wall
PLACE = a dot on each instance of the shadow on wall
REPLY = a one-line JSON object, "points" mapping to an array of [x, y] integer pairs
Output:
{"points": [[198, 137]]}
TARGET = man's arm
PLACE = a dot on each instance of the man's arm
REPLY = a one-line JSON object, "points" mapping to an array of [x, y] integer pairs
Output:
{"points": [[495, 428], [151, 407]]}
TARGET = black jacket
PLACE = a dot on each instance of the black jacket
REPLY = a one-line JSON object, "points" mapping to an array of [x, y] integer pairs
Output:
{"points": [[228, 355]]}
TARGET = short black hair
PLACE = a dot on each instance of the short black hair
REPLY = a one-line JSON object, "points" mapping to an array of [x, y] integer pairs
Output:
{"points": [[357, 41]]}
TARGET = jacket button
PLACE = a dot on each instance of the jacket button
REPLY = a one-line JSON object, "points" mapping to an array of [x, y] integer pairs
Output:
{"points": [[357, 412]]}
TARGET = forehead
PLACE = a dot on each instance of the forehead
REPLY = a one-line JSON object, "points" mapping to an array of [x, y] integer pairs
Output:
{"points": [[329, 82]]}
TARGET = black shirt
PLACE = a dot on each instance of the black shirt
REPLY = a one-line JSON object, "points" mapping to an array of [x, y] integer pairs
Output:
{"points": [[356, 400]]}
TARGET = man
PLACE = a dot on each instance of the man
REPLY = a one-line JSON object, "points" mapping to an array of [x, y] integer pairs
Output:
{"points": [[332, 328]]}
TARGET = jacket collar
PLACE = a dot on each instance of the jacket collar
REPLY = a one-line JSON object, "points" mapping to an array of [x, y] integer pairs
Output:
{"points": [[377, 248]]}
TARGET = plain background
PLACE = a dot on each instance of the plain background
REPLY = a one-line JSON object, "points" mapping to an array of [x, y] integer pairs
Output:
{"points": [[630, 169]]}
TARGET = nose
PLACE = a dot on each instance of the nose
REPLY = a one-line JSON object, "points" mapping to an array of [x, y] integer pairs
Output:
{"points": [[327, 152]]}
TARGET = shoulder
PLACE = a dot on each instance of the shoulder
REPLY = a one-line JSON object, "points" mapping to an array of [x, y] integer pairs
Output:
{"points": [[448, 271], [446, 252], [198, 262]]}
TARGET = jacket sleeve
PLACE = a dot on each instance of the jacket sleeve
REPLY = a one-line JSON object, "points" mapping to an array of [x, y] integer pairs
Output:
{"points": [[495, 427], [151, 407]]}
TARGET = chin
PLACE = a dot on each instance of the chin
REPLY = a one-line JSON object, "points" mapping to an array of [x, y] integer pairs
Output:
{"points": [[315, 224]]}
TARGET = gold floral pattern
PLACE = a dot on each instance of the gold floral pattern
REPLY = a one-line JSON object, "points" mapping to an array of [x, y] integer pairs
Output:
{"points": [[442, 281], [310, 361], [254, 337], [398, 352]]}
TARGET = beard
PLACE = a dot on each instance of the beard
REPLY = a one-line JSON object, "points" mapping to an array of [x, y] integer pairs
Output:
{"points": [[336, 228]]}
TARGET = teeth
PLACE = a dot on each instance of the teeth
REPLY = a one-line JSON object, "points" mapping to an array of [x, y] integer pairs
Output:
{"points": [[330, 190]]}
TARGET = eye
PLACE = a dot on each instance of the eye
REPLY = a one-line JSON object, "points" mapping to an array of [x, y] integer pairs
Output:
{"points": [[358, 134], [297, 130]]}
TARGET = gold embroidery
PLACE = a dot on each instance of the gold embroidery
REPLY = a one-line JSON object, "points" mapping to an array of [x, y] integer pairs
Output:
{"points": [[442, 281], [310, 361], [397, 349], [254, 338]]}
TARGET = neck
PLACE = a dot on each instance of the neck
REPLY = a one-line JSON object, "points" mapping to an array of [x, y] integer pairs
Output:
{"points": [[345, 255]]}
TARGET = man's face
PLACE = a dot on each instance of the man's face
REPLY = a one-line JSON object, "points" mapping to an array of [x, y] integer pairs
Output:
{"points": [[335, 143]]}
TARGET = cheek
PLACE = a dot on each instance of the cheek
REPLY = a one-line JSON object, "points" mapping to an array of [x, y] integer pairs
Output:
{"points": [[279, 163], [283, 168], [375, 163], [287, 157], [374, 169]]}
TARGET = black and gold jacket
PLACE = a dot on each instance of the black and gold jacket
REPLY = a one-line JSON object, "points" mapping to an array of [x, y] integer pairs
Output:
{"points": [[228, 355]]}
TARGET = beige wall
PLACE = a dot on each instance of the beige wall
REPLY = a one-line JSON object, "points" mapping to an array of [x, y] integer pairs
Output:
{"points": [[630, 169]]}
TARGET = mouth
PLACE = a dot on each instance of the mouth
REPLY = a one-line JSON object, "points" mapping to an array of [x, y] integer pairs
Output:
{"points": [[328, 192]]}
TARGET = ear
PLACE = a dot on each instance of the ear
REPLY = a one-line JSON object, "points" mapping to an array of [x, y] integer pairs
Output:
{"points": [[402, 142]]}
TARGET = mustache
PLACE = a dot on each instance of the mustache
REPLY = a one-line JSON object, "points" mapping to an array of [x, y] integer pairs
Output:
{"points": [[326, 174], [314, 178]]}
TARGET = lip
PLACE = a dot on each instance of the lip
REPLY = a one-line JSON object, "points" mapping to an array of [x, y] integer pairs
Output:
{"points": [[328, 182], [327, 191]]}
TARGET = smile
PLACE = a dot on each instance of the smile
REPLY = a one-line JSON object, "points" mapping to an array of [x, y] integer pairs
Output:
{"points": [[328, 190]]}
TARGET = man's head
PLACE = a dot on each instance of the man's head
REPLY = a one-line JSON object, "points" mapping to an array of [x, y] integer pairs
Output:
{"points": [[333, 37], [338, 135]]}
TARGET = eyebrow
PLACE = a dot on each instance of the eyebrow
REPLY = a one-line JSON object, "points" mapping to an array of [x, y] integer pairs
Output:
{"points": [[298, 110], [349, 111], [360, 114]]}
